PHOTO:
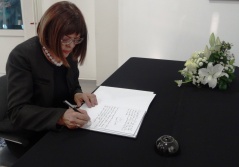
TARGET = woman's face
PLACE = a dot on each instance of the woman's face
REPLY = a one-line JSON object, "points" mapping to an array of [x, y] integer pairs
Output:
{"points": [[68, 42]]}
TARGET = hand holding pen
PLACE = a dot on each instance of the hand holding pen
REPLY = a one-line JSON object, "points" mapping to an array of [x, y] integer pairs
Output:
{"points": [[74, 117], [71, 106]]}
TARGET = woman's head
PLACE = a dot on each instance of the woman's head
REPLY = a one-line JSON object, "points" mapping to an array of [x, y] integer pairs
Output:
{"points": [[62, 28]]}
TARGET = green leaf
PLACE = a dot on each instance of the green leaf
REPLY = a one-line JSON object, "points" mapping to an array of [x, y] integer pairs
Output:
{"points": [[222, 86], [212, 40], [218, 42], [232, 62], [217, 47], [206, 52]]}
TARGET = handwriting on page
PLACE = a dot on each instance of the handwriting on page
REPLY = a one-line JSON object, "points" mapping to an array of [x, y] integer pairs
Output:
{"points": [[120, 111], [114, 118], [132, 116], [105, 116]]}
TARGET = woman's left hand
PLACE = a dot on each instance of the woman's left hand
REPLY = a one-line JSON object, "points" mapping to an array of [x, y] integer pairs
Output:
{"points": [[88, 98]]}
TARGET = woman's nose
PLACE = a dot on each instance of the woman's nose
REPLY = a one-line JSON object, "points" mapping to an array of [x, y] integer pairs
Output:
{"points": [[71, 45]]}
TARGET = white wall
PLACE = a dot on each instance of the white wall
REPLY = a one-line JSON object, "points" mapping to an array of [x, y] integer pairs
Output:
{"points": [[106, 16], [174, 29], [161, 29], [6, 45]]}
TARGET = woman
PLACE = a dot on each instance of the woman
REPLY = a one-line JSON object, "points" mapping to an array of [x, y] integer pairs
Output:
{"points": [[43, 71]]}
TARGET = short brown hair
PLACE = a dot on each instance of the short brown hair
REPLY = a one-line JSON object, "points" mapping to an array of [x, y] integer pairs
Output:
{"points": [[63, 18]]}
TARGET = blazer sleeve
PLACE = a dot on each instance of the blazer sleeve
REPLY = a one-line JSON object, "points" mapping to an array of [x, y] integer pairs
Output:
{"points": [[22, 109]]}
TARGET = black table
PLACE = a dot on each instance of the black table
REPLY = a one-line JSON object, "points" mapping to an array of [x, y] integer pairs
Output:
{"points": [[204, 121]]}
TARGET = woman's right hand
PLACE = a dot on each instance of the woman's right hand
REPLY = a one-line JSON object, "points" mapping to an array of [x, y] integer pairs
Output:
{"points": [[73, 119]]}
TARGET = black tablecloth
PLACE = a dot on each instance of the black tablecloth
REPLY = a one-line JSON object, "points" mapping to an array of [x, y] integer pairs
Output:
{"points": [[204, 121]]}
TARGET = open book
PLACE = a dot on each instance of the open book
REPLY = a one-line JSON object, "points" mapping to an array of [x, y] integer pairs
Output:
{"points": [[119, 111]]}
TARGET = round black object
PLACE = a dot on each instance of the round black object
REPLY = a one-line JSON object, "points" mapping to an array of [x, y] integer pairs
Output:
{"points": [[167, 145]]}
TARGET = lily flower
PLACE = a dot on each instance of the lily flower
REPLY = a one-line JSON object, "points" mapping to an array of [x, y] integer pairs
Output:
{"points": [[211, 73], [213, 66]]}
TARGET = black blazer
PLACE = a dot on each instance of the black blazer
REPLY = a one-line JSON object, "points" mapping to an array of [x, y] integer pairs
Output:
{"points": [[31, 87]]}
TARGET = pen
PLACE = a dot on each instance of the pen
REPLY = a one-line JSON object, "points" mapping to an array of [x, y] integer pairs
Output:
{"points": [[75, 109], [71, 106]]}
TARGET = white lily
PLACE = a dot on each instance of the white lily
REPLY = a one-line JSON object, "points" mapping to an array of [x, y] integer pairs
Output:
{"points": [[211, 73], [213, 66]]}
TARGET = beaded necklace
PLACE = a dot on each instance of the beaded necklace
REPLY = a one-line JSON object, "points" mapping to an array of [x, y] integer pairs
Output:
{"points": [[51, 58]]}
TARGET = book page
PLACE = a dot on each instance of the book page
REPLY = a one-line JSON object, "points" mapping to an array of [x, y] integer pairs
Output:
{"points": [[119, 111]]}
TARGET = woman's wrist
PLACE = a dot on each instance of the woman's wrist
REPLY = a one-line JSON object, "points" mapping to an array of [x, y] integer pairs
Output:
{"points": [[60, 121]]}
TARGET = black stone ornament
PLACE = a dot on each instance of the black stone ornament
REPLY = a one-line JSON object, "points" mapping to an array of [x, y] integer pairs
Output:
{"points": [[167, 146]]}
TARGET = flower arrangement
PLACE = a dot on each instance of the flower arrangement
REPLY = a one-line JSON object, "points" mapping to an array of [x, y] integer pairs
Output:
{"points": [[213, 66]]}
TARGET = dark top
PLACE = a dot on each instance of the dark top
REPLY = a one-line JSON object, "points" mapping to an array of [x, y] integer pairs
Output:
{"points": [[204, 121], [61, 91], [36, 87]]}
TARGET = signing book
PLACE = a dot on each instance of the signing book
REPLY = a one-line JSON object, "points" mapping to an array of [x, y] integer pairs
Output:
{"points": [[119, 111]]}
